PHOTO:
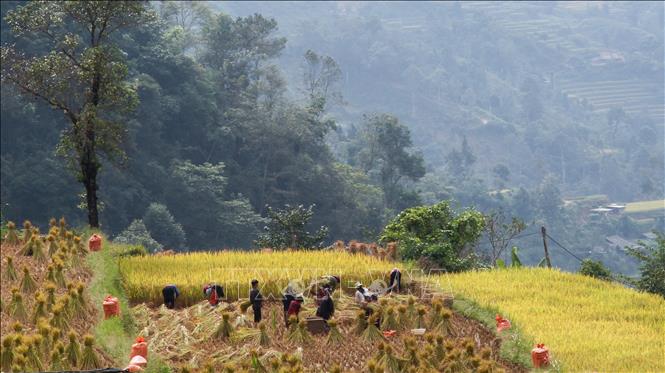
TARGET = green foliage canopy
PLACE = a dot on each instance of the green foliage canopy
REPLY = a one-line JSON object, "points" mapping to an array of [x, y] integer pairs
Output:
{"points": [[137, 234], [81, 72], [652, 269], [287, 228], [595, 269], [206, 209], [436, 233], [163, 227]]}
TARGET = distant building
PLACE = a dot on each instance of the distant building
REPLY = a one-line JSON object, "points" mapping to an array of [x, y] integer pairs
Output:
{"points": [[606, 57], [612, 208], [616, 207], [598, 250], [619, 243]]}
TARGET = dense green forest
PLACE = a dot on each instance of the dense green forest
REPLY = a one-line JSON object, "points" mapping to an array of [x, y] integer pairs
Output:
{"points": [[362, 110]]}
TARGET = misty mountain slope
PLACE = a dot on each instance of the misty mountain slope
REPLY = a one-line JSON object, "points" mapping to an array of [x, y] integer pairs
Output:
{"points": [[522, 81]]}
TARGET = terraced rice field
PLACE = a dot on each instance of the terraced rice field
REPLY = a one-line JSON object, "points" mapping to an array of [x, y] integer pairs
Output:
{"points": [[144, 277], [634, 96], [588, 324], [645, 206]]}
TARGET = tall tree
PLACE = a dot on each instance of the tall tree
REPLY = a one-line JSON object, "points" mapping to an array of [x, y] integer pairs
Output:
{"points": [[83, 74], [321, 76], [287, 228], [187, 18], [237, 50], [460, 162], [185, 14], [615, 118], [387, 152], [211, 216]]}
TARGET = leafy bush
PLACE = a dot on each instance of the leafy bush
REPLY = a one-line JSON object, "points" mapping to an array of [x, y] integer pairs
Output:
{"points": [[437, 234], [595, 269], [163, 227], [137, 234], [133, 250], [652, 269]]}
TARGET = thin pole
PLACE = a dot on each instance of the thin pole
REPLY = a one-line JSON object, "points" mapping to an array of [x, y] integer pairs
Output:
{"points": [[547, 254]]}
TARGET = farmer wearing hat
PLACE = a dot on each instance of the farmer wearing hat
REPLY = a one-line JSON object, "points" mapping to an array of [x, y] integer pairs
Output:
{"points": [[360, 297], [363, 297]]}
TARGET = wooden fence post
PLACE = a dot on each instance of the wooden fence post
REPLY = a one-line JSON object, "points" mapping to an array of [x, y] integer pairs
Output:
{"points": [[547, 254]]}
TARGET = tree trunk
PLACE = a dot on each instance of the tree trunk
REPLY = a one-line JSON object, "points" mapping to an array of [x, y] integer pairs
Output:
{"points": [[89, 168], [89, 163]]}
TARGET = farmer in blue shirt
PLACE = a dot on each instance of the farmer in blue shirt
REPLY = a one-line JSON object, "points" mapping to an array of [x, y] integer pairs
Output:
{"points": [[170, 293]]}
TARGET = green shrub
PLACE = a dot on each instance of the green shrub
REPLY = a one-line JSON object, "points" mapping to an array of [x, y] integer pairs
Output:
{"points": [[595, 269], [137, 234], [163, 227], [652, 257]]}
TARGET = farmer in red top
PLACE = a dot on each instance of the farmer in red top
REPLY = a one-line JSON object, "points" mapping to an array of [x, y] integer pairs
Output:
{"points": [[214, 293], [294, 308]]}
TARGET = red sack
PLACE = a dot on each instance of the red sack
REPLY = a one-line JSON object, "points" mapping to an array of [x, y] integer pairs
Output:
{"points": [[501, 324], [140, 348], [389, 333], [95, 242], [111, 307], [540, 356]]}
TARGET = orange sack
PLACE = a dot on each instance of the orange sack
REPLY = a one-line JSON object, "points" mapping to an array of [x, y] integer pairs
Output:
{"points": [[111, 307], [501, 324], [540, 356], [95, 242], [140, 348]]}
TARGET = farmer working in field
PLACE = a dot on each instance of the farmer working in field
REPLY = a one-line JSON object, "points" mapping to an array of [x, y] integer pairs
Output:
{"points": [[294, 308], [326, 306], [170, 293], [331, 282], [214, 293], [328, 281], [363, 297], [395, 281], [288, 296], [256, 299]]}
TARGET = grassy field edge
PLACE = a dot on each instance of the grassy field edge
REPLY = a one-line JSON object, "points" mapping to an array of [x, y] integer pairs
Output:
{"points": [[515, 346], [117, 334]]}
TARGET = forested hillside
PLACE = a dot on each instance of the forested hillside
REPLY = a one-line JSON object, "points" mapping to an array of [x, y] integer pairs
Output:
{"points": [[519, 80], [363, 110]]}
